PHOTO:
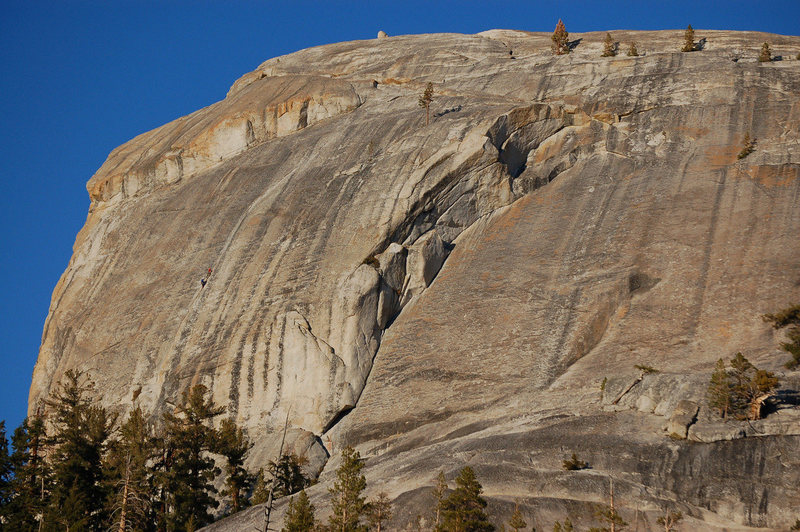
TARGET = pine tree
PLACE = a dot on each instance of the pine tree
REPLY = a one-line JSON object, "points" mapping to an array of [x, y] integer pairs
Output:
{"points": [[300, 514], [560, 39], [128, 475], [766, 55], [30, 482], [348, 503], [748, 146], [6, 472], [191, 473], [234, 445], [379, 511], [719, 390], [81, 433], [439, 492], [609, 48], [425, 101], [516, 522], [670, 520], [463, 510], [632, 50], [688, 40], [566, 527], [261, 488], [788, 317], [287, 475]]}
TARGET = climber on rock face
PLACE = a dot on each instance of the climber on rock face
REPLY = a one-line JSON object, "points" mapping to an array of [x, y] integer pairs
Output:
{"points": [[202, 283], [209, 272]]}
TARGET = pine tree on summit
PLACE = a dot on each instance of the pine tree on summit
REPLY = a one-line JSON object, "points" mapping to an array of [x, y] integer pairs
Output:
{"points": [[560, 39]]}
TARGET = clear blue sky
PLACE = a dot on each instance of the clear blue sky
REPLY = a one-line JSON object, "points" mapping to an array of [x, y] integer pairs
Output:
{"points": [[80, 78]]}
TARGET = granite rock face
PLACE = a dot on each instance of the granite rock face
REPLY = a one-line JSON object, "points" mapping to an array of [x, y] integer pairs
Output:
{"points": [[456, 293]]}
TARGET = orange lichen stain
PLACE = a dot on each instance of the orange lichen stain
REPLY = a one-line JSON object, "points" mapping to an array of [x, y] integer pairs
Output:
{"points": [[395, 81], [721, 155], [724, 330], [774, 176]]}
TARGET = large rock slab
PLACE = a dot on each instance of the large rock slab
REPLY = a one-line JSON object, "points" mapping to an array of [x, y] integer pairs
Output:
{"points": [[457, 293]]}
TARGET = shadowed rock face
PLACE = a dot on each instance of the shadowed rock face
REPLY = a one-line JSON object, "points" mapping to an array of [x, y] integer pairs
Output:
{"points": [[456, 293]]}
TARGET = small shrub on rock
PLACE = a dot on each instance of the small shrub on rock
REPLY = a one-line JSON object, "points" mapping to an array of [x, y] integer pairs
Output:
{"points": [[574, 464], [766, 55], [748, 148], [633, 51], [688, 40], [788, 317], [609, 48]]}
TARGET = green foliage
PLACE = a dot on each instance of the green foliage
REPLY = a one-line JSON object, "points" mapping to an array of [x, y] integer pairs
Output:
{"points": [[31, 478], [234, 445], [632, 50], [261, 489], [6, 473], [796, 525], [348, 503], [608, 515], [560, 39], [609, 47], [749, 146], [439, 492], [463, 510], [300, 514], [670, 520], [574, 464], [81, 433], [566, 527], [688, 40], [740, 389], [127, 475], [287, 475], [516, 522], [646, 370], [379, 511], [719, 390], [766, 55], [190, 472], [425, 101], [788, 317]]}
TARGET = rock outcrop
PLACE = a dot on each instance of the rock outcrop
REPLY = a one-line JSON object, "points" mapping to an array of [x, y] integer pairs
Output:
{"points": [[456, 293]]}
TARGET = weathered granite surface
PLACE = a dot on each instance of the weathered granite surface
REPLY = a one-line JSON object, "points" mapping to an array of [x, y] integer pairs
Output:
{"points": [[455, 293]]}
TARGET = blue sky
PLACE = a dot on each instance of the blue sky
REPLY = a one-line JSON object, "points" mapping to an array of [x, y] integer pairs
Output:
{"points": [[80, 78]]}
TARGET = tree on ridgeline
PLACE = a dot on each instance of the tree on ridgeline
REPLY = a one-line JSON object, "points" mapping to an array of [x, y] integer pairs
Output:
{"points": [[788, 317], [300, 514], [234, 445], [766, 54], [346, 494], [189, 477], [79, 441], [609, 47], [688, 40], [463, 510], [633, 51], [129, 475], [560, 39]]}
